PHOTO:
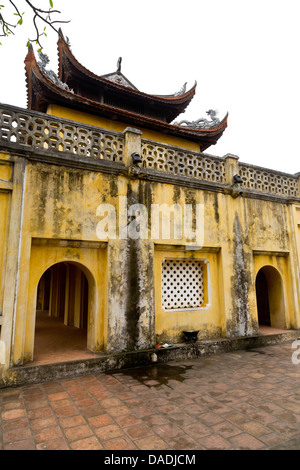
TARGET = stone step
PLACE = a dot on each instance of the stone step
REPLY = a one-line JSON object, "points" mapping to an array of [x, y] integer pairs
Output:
{"points": [[30, 373]]}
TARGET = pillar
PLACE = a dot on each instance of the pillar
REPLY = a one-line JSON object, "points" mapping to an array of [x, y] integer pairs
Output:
{"points": [[77, 298], [12, 270], [231, 167], [133, 144]]}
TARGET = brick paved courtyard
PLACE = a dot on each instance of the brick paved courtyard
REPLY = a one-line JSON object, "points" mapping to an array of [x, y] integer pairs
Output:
{"points": [[239, 400]]}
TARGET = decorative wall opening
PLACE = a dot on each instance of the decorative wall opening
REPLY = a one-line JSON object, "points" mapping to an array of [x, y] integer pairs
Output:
{"points": [[182, 284], [270, 298], [61, 313]]}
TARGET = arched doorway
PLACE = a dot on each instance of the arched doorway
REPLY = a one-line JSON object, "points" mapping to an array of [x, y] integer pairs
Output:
{"points": [[62, 308], [270, 298]]}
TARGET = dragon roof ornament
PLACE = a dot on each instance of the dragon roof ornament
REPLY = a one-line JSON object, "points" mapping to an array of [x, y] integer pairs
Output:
{"points": [[181, 91], [201, 123], [44, 61]]}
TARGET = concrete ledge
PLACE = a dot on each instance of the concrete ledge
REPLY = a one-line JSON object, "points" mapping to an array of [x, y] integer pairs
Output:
{"points": [[29, 373]]}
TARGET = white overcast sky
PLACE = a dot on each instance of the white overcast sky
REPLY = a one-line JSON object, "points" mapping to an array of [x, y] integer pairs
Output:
{"points": [[243, 54]]}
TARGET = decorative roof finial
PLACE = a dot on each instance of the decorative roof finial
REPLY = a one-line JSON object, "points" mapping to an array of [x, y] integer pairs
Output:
{"points": [[44, 61], [66, 39], [181, 91], [201, 123], [119, 65]]}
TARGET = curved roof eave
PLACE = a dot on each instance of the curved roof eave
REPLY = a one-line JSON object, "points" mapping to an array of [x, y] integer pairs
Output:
{"points": [[205, 137], [169, 100]]}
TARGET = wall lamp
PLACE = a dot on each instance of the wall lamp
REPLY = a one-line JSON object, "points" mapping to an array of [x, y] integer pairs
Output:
{"points": [[136, 158], [237, 179]]}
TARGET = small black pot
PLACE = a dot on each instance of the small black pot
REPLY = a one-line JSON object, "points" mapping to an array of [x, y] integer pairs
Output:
{"points": [[191, 336]]}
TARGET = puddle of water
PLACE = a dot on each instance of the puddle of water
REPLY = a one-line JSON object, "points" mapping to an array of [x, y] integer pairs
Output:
{"points": [[156, 375], [260, 351]]}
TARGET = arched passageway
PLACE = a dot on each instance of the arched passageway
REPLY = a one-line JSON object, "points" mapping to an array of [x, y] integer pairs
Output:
{"points": [[270, 298], [262, 296], [62, 310]]}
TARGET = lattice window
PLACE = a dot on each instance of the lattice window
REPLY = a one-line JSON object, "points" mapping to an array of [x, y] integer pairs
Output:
{"points": [[182, 284]]}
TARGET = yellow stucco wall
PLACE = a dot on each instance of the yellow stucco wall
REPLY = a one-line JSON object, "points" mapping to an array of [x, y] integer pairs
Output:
{"points": [[62, 204], [297, 223], [277, 271], [5, 176], [208, 319], [55, 207], [5, 172], [4, 205], [93, 262]]}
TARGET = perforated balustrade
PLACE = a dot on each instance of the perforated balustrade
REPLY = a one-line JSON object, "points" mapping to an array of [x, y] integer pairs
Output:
{"points": [[183, 162], [260, 179], [50, 133], [31, 129], [182, 284]]}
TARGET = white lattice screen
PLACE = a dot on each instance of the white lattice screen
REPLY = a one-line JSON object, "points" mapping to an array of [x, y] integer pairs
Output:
{"points": [[182, 284]]}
